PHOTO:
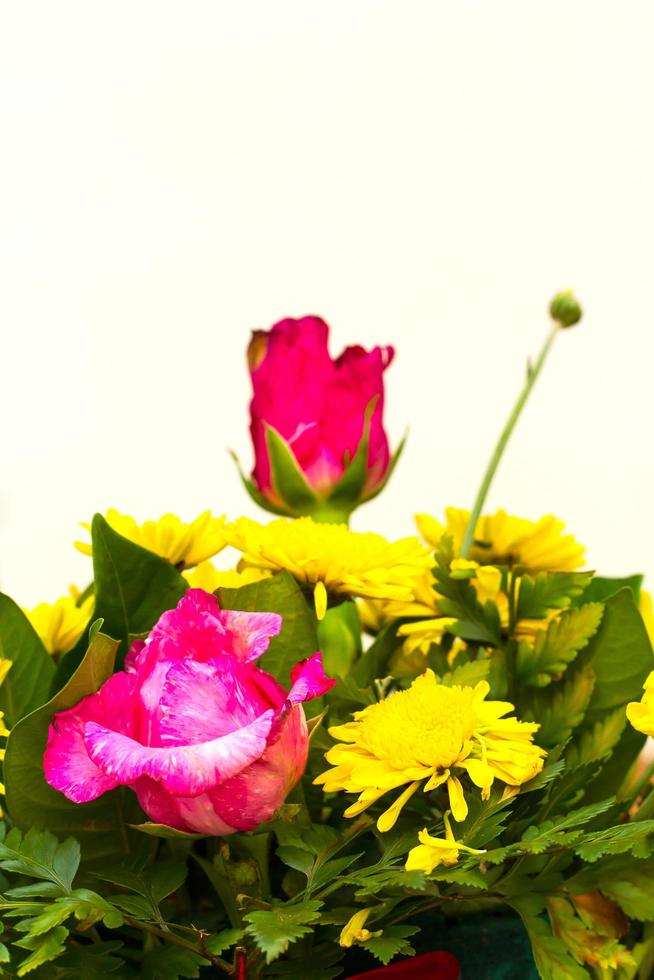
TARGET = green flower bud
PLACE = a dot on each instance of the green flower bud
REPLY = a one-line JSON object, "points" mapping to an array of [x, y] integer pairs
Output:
{"points": [[565, 309]]}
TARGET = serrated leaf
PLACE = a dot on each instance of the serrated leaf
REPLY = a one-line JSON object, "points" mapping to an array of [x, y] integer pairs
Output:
{"points": [[275, 929], [562, 708], [391, 943], [597, 742], [468, 674], [40, 855], [539, 594], [538, 663], [485, 820], [628, 882], [221, 941], [27, 684], [615, 840], [44, 949], [552, 959]]}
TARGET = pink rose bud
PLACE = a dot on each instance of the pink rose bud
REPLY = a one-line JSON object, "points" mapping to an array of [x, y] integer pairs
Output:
{"points": [[316, 424], [208, 741]]}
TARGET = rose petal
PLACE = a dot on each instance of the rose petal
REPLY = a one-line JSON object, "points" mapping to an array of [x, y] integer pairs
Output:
{"points": [[185, 770], [309, 680], [200, 702], [66, 762]]}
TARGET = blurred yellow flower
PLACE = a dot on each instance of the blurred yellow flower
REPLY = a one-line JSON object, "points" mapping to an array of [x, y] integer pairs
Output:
{"points": [[422, 735], [169, 537], [206, 576], [502, 539], [331, 557], [641, 713], [434, 851], [60, 624]]}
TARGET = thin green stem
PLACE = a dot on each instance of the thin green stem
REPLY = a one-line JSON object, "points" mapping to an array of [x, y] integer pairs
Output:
{"points": [[170, 937], [532, 375]]}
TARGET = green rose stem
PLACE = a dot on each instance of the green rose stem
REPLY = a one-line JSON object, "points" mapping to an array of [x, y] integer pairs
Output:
{"points": [[565, 312]]}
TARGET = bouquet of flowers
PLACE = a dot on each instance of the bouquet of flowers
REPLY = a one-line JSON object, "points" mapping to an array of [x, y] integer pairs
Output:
{"points": [[342, 755]]}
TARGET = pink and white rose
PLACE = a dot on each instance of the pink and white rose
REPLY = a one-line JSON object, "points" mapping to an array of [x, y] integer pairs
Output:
{"points": [[208, 741]]}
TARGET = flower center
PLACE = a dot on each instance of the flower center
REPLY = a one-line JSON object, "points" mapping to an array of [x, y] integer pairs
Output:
{"points": [[424, 726]]}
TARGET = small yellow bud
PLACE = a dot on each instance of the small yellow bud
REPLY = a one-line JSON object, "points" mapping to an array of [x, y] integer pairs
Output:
{"points": [[565, 308]]}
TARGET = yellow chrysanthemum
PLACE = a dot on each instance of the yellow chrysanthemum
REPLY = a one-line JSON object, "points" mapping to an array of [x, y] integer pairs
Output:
{"points": [[354, 932], [60, 624], [422, 735], [331, 557], [502, 539], [206, 576], [641, 713], [169, 537], [434, 851]]}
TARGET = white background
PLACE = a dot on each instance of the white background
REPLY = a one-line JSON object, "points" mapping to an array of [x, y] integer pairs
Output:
{"points": [[421, 173]]}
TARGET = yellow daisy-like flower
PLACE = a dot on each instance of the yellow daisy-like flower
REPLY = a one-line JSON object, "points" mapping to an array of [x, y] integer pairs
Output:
{"points": [[60, 624], [169, 537], [434, 851], [423, 735], [332, 559], [502, 539], [641, 713], [206, 576], [354, 932]]}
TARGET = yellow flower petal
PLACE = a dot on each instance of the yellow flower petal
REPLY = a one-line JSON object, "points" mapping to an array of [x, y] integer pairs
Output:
{"points": [[320, 599]]}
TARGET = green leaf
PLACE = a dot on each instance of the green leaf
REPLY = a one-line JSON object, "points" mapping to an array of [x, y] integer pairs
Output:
{"points": [[40, 855], [27, 684], [601, 589], [485, 820], [539, 594], [620, 653], [628, 882], [221, 941], [458, 598], [288, 479], [339, 638], [629, 837], [100, 826], [391, 943], [92, 961], [468, 674], [153, 884], [85, 905], [373, 663], [298, 638], [44, 949], [274, 930], [597, 742], [553, 961], [168, 962], [562, 707], [164, 832], [554, 648], [133, 586]]}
